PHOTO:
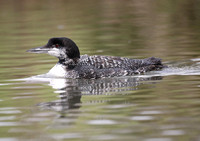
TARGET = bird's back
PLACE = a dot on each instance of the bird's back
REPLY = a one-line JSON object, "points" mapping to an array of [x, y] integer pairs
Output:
{"points": [[107, 62], [110, 66]]}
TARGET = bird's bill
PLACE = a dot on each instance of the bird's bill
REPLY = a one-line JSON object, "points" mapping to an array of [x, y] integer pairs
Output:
{"points": [[38, 50]]}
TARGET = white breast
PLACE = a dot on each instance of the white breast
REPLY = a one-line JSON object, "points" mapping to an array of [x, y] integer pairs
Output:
{"points": [[57, 71]]}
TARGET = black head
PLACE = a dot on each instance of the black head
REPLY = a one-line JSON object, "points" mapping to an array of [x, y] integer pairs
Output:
{"points": [[67, 44], [60, 47]]}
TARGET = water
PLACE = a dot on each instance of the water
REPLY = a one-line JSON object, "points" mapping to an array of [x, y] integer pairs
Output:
{"points": [[156, 106]]}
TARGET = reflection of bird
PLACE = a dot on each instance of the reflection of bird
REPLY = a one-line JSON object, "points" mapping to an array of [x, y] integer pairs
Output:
{"points": [[71, 90], [72, 65]]}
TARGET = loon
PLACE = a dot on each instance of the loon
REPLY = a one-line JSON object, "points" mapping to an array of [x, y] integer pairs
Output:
{"points": [[73, 65]]}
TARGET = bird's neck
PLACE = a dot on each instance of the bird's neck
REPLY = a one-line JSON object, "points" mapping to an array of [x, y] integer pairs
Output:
{"points": [[69, 63]]}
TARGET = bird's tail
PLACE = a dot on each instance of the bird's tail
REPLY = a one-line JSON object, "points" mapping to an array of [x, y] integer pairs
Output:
{"points": [[153, 63]]}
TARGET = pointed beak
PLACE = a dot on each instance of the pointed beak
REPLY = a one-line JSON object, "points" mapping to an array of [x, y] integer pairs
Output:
{"points": [[38, 50]]}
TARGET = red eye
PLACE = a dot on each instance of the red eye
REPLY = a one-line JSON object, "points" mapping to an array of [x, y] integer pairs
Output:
{"points": [[57, 45]]}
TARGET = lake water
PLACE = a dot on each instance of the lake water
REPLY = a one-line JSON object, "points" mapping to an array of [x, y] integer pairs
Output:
{"points": [[156, 106]]}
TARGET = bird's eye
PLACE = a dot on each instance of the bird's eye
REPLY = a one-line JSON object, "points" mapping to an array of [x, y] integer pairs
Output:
{"points": [[57, 45]]}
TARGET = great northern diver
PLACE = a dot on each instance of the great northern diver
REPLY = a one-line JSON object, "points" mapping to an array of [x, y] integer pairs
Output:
{"points": [[73, 65]]}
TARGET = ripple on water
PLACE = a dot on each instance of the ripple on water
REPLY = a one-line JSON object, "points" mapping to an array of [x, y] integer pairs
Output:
{"points": [[9, 110], [158, 139], [173, 132], [66, 136], [9, 124], [142, 118], [195, 59], [39, 119], [22, 97], [105, 137], [118, 106], [101, 122], [8, 139], [7, 118], [151, 112], [27, 87], [4, 84], [45, 114]]}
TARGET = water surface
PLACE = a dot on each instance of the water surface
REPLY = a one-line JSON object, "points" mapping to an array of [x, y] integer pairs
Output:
{"points": [[155, 106]]}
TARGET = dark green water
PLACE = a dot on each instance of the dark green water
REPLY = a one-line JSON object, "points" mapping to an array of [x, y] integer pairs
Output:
{"points": [[157, 106]]}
